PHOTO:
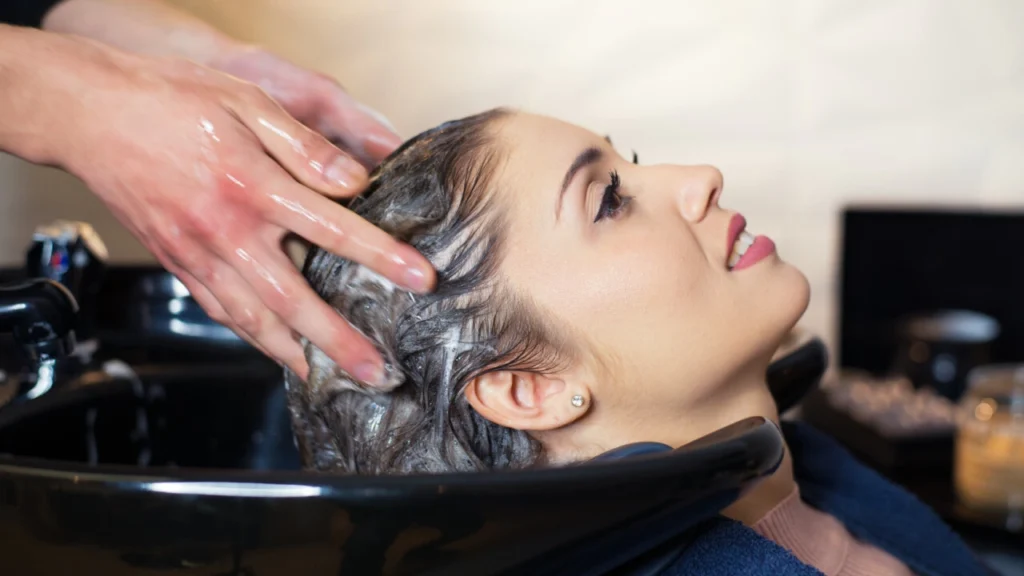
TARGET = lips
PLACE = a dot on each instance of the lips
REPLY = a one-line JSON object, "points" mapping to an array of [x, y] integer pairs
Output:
{"points": [[752, 251], [762, 248], [736, 227]]}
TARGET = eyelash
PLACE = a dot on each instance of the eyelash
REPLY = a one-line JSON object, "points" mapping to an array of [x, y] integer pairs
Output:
{"points": [[612, 202]]}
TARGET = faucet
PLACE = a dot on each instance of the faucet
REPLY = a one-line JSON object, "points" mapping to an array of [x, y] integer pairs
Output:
{"points": [[40, 314], [73, 254], [52, 316]]}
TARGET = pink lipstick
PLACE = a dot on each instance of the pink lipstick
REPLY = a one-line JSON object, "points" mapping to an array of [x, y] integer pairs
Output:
{"points": [[744, 249]]}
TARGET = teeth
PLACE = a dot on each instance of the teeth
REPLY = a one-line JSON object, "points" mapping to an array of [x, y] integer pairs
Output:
{"points": [[740, 248]]}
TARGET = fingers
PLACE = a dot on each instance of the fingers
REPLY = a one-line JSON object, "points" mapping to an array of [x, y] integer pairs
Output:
{"points": [[240, 310], [320, 221], [213, 309], [356, 126], [306, 155], [316, 99], [343, 232], [282, 290]]}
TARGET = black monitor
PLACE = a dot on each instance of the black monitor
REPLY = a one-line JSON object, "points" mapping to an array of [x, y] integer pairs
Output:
{"points": [[897, 261]]}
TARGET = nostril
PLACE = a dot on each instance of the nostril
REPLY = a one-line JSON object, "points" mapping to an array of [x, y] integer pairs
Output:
{"points": [[716, 182], [701, 189]]}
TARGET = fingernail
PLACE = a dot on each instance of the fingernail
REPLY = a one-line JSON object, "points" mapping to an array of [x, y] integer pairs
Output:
{"points": [[345, 172], [414, 279], [370, 373]]}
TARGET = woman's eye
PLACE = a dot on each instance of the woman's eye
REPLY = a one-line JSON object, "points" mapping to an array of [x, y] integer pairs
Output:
{"points": [[612, 203]]}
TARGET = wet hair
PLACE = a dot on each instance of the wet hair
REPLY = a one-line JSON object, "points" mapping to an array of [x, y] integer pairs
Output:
{"points": [[436, 193]]}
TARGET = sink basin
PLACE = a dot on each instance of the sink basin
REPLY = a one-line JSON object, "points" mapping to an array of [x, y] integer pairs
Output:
{"points": [[187, 464], [193, 470], [205, 416]]}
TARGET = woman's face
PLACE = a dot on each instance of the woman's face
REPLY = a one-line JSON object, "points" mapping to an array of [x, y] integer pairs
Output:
{"points": [[641, 278]]}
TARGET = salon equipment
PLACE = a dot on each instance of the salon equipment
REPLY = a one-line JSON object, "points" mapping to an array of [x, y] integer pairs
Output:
{"points": [[72, 254], [886, 421], [197, 469], [989, 462], [924, 298], [894, 408], [165, 311], [937, 350], [144, 315], [182, 459], [796, 369], [213, 513], [917, 455], [899, 262], [40, 316]]}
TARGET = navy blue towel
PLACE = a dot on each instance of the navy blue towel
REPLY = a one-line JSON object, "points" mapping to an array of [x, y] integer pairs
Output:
{"points": [[833, 481], [728, 548]]}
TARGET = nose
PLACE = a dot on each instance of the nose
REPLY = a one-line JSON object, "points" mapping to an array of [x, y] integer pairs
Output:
{"points": [[700, 189]]}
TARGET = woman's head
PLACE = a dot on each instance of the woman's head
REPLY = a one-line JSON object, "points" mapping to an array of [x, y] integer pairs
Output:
{"points": [[564, 270]]}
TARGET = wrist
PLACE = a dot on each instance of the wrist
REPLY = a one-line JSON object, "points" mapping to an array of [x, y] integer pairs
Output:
{"points": [[29, 95], [143, 27], [45, 100]]}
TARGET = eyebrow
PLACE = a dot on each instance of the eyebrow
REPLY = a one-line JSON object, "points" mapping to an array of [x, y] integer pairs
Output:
{"points": [[587, 157]]}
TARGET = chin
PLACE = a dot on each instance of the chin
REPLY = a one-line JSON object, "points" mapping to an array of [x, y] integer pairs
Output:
{"points": [[799, 293], [787, 301]]}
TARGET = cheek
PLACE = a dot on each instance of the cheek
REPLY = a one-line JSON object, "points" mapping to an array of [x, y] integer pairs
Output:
{"points": [[641, 298]]}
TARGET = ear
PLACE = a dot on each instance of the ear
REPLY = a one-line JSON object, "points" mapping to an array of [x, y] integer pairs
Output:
{"points": [[526, 401]]}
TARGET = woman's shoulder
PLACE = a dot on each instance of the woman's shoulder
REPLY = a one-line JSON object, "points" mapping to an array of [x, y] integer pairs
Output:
{"points": [[872, 508]]}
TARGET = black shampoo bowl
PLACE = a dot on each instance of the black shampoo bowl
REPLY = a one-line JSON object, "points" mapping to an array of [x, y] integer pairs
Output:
{"points": [[193, 472]]}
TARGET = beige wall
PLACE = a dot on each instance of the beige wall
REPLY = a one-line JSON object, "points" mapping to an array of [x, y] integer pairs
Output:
{"points": [[805, 105]]}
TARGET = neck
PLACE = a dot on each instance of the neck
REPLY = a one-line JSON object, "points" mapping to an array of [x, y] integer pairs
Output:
{"points": [[745, 397], [755, 400]]}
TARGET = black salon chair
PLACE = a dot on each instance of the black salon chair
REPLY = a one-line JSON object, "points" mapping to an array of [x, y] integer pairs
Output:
{"points": [[192, 469]]}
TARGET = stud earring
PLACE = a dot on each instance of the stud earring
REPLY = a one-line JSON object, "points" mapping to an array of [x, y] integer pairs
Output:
{"points": [[577, 400]]}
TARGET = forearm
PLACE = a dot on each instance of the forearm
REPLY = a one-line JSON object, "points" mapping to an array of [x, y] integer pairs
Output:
{"points": [[45, 83], [28, 94], [147, 27]]}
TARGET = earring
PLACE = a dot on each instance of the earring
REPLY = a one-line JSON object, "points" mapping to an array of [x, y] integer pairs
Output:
{"points": [[577, 400]]}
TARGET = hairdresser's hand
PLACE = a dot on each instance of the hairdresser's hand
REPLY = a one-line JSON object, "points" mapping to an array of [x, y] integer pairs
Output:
{"points": [[211, 174], [316, 100]]}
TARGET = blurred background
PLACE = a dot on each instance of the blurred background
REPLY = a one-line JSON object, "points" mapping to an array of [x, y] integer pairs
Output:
{"points": [[805, 105]]}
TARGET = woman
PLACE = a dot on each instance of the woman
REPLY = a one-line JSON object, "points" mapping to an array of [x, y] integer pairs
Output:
{"points": [[584, 301]]}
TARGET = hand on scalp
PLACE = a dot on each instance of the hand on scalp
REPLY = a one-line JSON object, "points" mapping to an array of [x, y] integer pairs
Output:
{"points": [[316, 100], [211, 174]]}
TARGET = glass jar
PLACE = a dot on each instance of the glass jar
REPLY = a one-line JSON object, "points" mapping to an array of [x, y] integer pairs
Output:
{"points": [[989, 460]]}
